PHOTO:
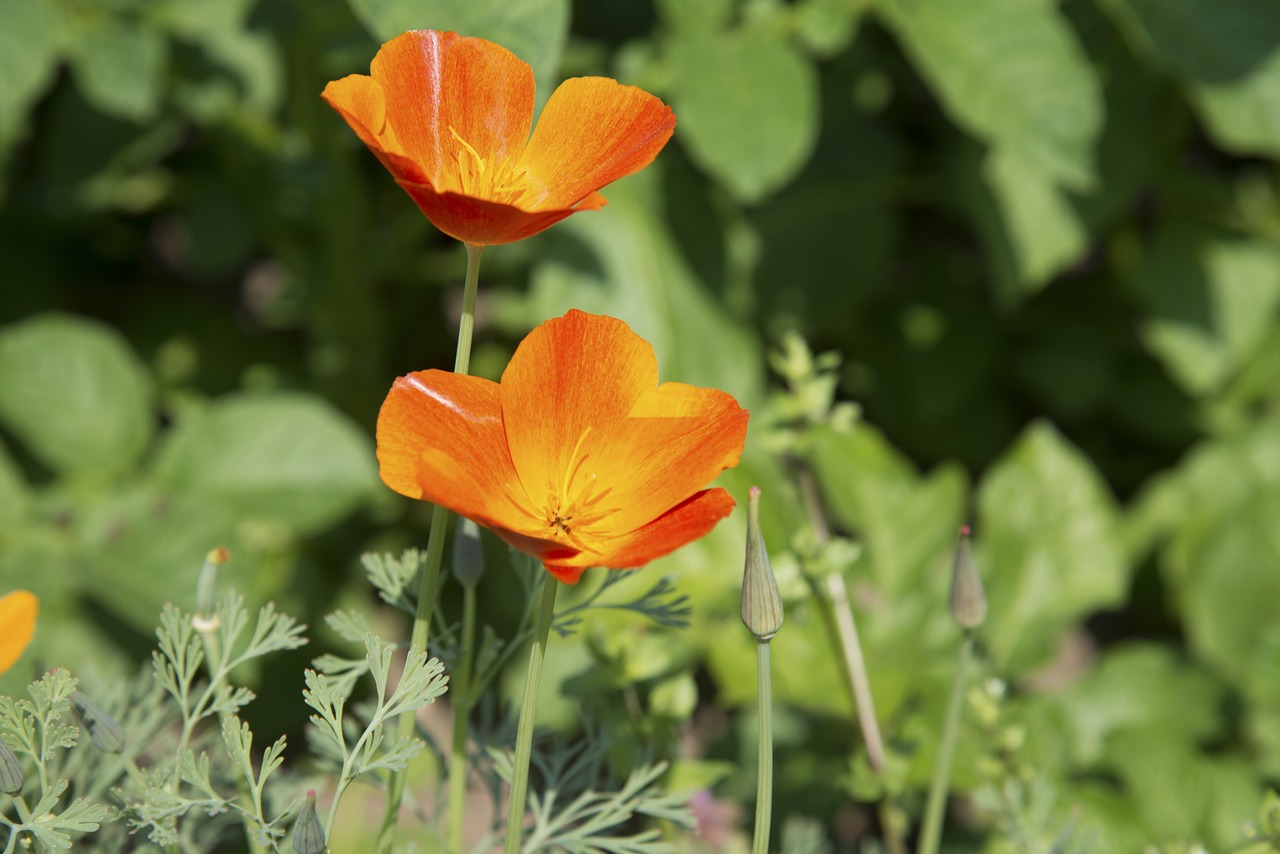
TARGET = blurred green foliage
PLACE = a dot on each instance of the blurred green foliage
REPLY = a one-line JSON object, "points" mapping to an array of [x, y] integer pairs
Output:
{"points": [[1043, 236]]}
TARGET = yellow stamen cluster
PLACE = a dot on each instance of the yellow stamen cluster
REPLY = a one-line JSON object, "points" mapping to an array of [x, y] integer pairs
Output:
{"points": [[505, 181], [565, 512]]}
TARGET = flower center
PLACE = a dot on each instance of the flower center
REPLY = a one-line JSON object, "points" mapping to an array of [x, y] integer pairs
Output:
{"points": [[573, 505], [493, 181]]}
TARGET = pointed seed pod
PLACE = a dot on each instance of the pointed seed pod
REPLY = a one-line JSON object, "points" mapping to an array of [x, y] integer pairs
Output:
{"points": [[968, 599], [206, 616], [761, 604], [12, 777], [468, 554], [308, 833], [104, 731]]}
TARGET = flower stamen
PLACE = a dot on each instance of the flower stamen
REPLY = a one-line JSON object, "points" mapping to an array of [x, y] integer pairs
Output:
{"points": [[502, 183]]}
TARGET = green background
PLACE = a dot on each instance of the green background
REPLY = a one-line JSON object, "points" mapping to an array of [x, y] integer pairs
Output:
{"points": [[1043, 238]]}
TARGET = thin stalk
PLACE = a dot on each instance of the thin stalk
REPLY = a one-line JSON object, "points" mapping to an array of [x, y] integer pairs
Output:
{"points": [[524, 734], [764, 751], [213, 659], [851, 653], [435, 552], [846, 630], [462, 700], [931, 834]]}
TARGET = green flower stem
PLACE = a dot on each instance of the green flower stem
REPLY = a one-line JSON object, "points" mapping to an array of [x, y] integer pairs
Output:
{"points": [[213, 658], [462, 699], [435, 552], [931, 834], [524, 735], [24, 817], [764, 750]]}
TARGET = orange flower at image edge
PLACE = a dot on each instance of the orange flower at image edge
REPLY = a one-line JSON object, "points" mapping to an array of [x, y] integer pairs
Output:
{"points": [[449, 116], [17, 624], [577, 457]]}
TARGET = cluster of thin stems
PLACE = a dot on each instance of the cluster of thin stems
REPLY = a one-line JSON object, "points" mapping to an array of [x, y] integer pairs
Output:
{"points": [[462, 690], [837, 613]]}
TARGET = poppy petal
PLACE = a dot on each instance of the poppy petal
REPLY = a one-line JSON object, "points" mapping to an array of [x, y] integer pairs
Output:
{"points": [[593, 131], [676, 439], [566, 574], [572, 376], [690, 519], [18, 611], [440, 439], [455, 103], [480, 222], [360, 102]]}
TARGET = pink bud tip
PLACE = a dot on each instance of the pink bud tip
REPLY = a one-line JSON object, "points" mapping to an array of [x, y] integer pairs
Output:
{"points": [[311, 793], [964, 530], [755, 490]]}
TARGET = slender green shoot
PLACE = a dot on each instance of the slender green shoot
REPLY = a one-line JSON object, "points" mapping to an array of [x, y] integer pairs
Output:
{"points": [[435, 552], [931, 834], [764, 773], [528, 706], [461, 693]]}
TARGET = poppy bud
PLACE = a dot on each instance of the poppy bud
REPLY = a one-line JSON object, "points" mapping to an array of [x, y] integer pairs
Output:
{"points": [[968, 599], [206, 617], [468, 554], [761, 604], [308, 834], [12, 777], [106, 734]]}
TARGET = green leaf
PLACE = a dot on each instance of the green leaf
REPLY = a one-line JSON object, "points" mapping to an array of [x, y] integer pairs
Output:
{"points": [[1050, 551], [13, 491], [1010, 72], [75, 394], [632, 268], [1228, 56], [220, 28], [1138, 686], [1182, 794], [1211, 304], [534, 30], [827, 27], [1215, 514], [706, 16], [908, 521], [284, 456], [1044, 228], [119, 65], [29, 42], [1244, 115], [748, 108], [1206, 40]]}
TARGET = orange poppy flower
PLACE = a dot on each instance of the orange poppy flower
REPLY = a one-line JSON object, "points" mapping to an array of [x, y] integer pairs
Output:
{"points": [[17, 625], [449, 116], [577, 457]]}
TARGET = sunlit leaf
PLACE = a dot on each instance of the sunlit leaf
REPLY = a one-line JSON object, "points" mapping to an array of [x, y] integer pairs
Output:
{"points": [[289, 457], [1211, 303], [119, 65], [75, 394], [29, 42], [1012, 73], [1050, 546], [1227, 54], [721, 83]]}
